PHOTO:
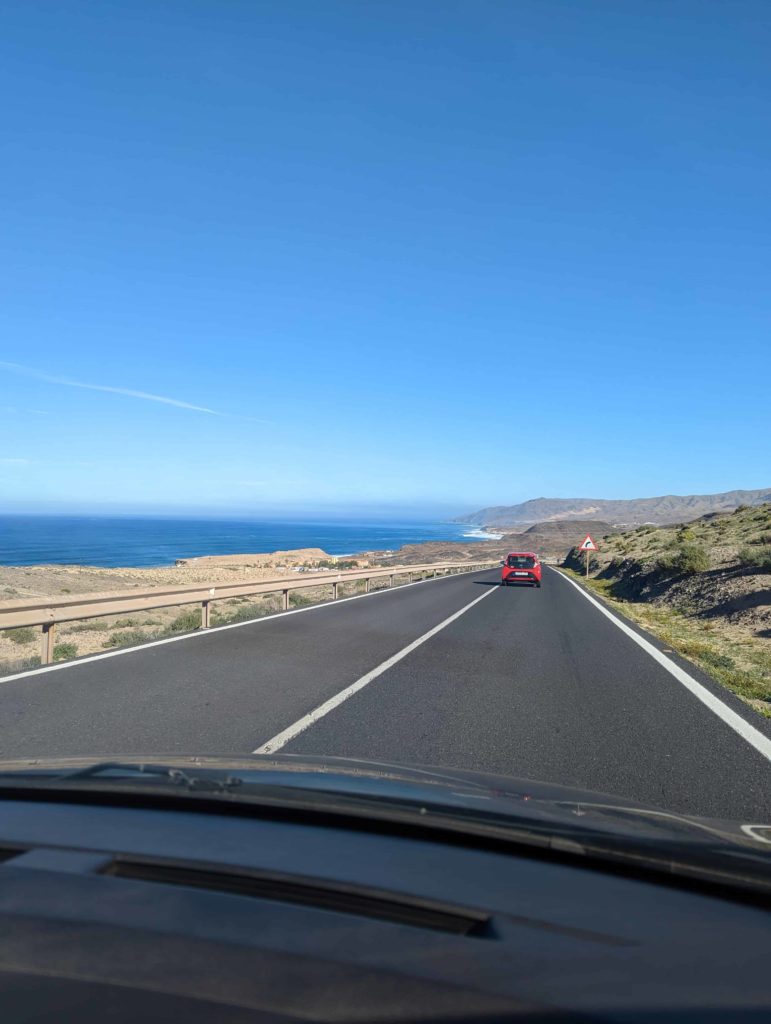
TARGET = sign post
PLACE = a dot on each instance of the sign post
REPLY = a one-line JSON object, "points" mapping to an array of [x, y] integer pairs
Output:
{"points": [[587, 545]]}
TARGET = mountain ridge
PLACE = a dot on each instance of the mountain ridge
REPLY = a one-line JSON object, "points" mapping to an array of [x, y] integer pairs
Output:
{"points": [[667, 508]]}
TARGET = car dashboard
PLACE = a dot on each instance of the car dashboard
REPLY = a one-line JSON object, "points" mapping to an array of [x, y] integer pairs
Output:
{"points": [[133, 912]]}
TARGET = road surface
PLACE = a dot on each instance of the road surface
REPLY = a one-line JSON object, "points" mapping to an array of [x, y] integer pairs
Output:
{"points": [[533, 683]]}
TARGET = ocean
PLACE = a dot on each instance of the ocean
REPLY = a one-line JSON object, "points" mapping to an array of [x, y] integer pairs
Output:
{"points": [[113, 541]]}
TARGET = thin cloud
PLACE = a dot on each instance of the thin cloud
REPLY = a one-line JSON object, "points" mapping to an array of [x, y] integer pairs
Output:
{"points": [[68, 383], [15, 462]]}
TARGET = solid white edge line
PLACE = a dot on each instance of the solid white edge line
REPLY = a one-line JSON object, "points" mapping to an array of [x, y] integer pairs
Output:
{"points": [[733, 720], [282, 738], [44, 669]]}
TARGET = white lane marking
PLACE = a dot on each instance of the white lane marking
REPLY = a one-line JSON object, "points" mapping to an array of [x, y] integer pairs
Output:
{"points": [[232, 625], [748, 732], [279, 741]]}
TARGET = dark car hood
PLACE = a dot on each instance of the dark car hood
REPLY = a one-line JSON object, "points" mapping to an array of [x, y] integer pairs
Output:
{"points": [[453, 790]]}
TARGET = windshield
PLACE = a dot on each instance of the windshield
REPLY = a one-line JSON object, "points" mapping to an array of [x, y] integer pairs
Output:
{"points": [[270, 270]]}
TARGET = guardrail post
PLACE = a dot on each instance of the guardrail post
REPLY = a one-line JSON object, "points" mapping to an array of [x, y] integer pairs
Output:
{"points": [[285, 600], [334, 591], [204, 614], [47, 643], [366, 585], [391, 580]]}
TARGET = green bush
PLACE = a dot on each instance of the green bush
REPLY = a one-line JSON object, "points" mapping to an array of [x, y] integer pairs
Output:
{"points": [[705, 654], [243, 613], [20, 635], [756, 557], [131, 638], [693, 558], [64, 651], [185, 622], [685, 534], [715, 660], [754, 683], [123, 623], [690, 558]]}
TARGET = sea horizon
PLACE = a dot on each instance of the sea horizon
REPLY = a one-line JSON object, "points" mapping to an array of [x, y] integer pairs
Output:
{"points": [[111, 540]]}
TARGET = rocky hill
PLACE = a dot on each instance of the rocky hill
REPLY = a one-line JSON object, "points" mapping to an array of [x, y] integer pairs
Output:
{"points": [[550, 540], [669, 508]]}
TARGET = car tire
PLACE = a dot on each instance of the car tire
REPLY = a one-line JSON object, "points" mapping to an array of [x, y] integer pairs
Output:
{"points": [[538, 583]]}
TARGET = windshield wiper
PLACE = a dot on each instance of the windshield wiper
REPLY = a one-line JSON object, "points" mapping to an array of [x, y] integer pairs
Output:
{"points": [[177, 776]]}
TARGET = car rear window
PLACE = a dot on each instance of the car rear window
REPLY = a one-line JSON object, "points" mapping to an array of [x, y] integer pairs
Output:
{"points": [[520, 561]]}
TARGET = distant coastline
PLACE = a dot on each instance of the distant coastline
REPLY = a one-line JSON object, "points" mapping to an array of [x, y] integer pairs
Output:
{"points": [[154, 542], [481, 533]]}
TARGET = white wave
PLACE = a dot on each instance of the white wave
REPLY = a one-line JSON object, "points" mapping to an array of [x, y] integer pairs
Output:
{"points": [[479, 534]]}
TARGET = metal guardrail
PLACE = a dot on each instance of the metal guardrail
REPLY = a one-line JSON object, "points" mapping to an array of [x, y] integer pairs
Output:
{"points": [[47, 612]]}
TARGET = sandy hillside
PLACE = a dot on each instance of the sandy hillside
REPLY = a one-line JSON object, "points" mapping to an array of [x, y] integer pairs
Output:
{"points": [[58, 580]]}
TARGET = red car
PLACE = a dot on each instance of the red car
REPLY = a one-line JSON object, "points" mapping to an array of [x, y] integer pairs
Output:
{"points": [[521, 567]]}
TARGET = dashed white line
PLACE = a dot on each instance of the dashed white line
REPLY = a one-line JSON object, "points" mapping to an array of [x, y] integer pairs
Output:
{"points": [[734, 721], [303, 723]]}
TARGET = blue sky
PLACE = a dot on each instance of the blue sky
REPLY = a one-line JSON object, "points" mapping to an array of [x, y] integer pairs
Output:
{"points": [[416, 255]]}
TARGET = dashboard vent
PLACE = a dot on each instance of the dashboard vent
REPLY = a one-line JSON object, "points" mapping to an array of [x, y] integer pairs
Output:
{"points": [[311, 892]]}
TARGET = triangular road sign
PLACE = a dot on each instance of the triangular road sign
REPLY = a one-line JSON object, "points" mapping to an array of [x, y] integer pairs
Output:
{"points": [[587, 544]]}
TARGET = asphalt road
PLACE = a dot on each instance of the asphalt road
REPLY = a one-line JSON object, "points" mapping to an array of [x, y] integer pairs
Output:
{"points": [[525, 682]]}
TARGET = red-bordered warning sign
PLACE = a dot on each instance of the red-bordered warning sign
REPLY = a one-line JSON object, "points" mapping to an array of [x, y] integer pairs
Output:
{"points": [[587, 544]]}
